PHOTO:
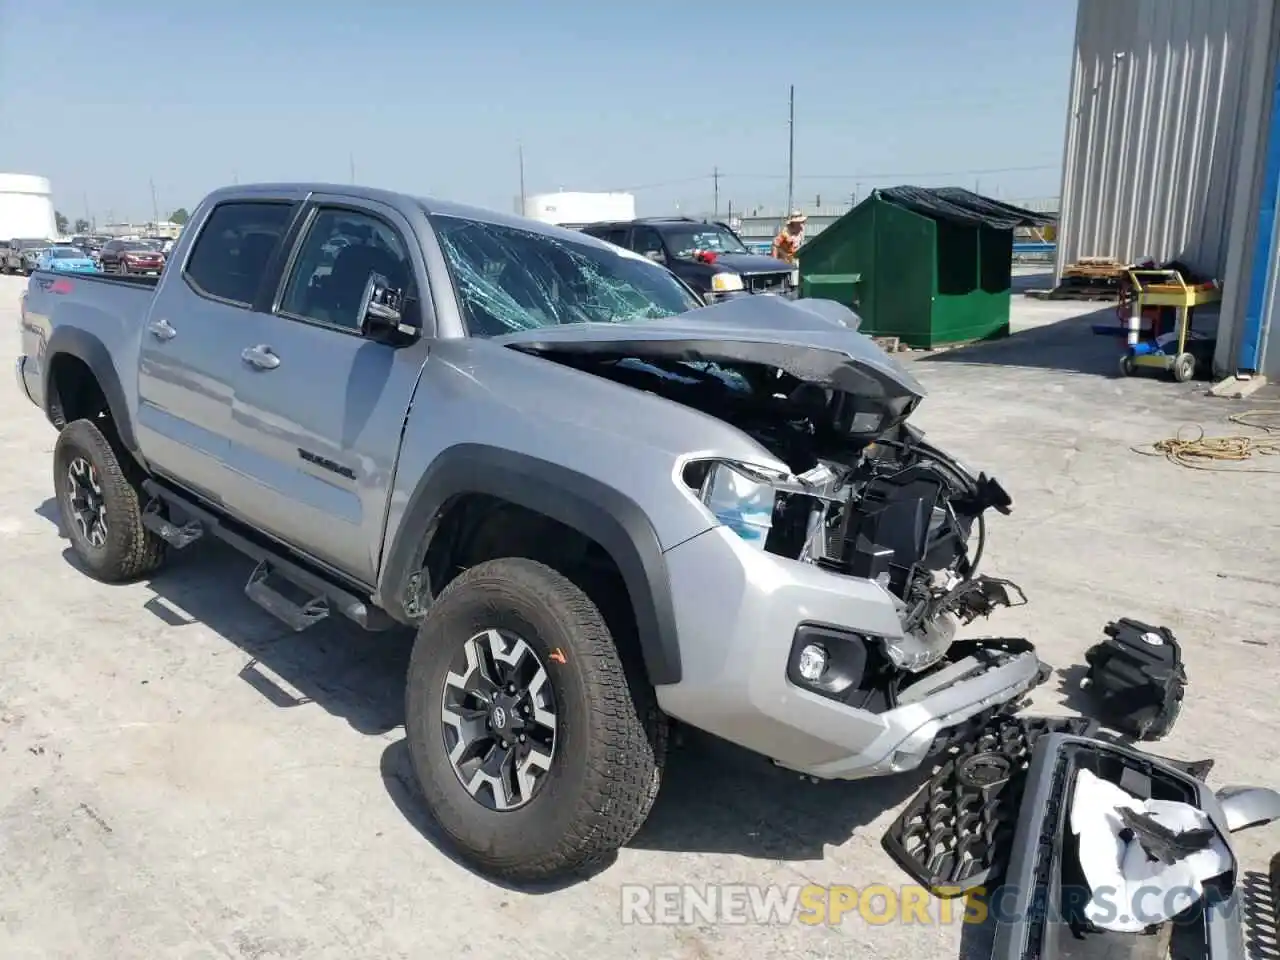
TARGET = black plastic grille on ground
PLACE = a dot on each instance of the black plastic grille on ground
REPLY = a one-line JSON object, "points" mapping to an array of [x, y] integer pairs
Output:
{"points": [[957, 831]]}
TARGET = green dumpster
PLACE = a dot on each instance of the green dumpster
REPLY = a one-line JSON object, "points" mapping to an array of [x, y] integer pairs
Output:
{"points": [[842, 287], [932, 266]]}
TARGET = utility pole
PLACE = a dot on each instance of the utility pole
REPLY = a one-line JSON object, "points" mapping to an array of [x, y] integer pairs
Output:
{"points": [[715, 191], [791, 149], [235, 177], [520, 152], [351, 160], [155, 206], [88, 216]]}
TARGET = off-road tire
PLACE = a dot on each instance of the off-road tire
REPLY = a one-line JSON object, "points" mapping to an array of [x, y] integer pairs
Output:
{"points": [[608, 759], [131, 550]]}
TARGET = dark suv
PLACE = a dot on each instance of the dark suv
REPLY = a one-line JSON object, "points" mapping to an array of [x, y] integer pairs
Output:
{"points": [[707, 256]]}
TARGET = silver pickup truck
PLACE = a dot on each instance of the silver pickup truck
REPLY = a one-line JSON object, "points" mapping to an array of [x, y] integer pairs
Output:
{"points": [[604, 506]]}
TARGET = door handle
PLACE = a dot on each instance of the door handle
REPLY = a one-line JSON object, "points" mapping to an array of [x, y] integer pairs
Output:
{"points": [[260, 357], [162, 329]]}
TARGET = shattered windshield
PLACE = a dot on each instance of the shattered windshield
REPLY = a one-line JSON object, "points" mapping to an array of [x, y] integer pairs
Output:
{"points": [[686, 241], [510, 279]]}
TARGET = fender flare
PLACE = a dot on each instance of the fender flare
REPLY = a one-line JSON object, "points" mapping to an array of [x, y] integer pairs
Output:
{"points": [[84, 346], [592, 508]]}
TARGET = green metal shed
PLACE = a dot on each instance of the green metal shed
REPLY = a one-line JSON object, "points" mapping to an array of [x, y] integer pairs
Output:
{"points": [[929, 266]]}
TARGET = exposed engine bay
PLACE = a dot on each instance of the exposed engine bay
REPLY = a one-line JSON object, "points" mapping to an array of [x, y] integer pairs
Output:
{"points": [[865, 495]]}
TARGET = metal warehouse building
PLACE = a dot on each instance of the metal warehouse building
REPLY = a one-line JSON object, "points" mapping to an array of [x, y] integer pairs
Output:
{"points": [[1173, 152]]}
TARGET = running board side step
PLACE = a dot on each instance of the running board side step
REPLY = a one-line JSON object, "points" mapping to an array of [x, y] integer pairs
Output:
{"points": [[272, 599], [172, 534], [276, 576]]}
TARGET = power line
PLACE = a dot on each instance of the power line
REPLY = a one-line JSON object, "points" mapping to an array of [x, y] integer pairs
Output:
{"points": [[917, 174], [718, 176], [664, 183]]}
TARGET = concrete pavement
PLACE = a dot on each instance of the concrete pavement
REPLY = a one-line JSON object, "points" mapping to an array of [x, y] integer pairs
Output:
{"points": [[181, 777]]}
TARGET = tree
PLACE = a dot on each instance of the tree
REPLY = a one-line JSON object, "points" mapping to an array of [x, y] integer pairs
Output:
{"points": [[61, 222], [179, 216], [82, 225]]}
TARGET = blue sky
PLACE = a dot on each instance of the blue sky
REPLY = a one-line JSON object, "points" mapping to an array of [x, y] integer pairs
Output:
{"points": [[433, 98]]}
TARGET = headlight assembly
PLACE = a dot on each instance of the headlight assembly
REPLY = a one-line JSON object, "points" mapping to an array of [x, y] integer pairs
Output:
{"points": [[726, 282], [744, 496], [741, 497]]}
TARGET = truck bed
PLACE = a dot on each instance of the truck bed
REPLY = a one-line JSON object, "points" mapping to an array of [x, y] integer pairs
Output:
{"points": [[107, 308]]}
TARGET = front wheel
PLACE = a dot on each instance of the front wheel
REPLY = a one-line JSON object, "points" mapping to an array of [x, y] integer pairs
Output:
{"points": [[535, 755], [100, 507]]}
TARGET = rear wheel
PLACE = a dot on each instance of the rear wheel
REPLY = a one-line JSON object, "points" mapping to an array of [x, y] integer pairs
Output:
{"points": [[535, 755], [101, 508]]}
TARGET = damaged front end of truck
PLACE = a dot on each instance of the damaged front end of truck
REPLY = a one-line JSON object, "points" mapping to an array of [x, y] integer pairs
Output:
{"points": [[843, 483]]}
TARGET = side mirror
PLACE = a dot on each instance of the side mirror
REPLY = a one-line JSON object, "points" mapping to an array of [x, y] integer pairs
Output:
{"points": [[657, 256], [381, 313]]}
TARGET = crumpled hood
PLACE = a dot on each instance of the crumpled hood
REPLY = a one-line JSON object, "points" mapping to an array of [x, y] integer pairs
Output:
{"points": [[808, 344]]}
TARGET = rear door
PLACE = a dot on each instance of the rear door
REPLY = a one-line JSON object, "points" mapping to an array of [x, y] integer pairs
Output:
{"points": [[319, 407], [191, 340]]}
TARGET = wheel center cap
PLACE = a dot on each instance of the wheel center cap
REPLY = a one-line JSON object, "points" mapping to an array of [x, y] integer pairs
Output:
{"points": [[499, 718]]}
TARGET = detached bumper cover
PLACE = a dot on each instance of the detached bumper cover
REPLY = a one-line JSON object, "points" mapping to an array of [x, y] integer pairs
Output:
{"points": [[1041, 900], [996, 819]]}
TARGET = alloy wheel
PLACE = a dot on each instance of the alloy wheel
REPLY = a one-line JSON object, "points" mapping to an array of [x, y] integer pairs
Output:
{"points": [[88, 505], [499, 719]]}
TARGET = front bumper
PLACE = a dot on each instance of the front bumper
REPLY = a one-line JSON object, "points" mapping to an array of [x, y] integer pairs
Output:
{"points": [[790, 293], [734, 655]]}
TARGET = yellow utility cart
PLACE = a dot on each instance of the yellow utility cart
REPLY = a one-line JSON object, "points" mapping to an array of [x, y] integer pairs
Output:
{"points": [[1172, 351]]}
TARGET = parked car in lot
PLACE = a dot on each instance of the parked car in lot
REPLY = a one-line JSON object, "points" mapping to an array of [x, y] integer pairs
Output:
{"points": [[66, 259], [22, 255], [602, 504], [131, 256], [708, 256]]}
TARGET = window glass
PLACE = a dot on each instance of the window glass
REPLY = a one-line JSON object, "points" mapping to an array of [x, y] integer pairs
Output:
{"points": [[686, 241], [342, 249], [645, 240], [231, 255], [511, 279]]}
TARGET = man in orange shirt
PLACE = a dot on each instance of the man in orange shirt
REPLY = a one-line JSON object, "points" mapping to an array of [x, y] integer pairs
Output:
{"points": [[790, 237]]}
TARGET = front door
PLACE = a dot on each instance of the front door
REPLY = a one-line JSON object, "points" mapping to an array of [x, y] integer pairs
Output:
{"points": [[318, 407], [189, 356]]}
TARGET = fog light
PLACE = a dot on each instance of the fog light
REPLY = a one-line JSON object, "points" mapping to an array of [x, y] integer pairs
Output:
{"points": [[812, 662]]}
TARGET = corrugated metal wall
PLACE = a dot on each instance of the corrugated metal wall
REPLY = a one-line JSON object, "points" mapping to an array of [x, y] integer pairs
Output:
{"points": [[1156, 127]]}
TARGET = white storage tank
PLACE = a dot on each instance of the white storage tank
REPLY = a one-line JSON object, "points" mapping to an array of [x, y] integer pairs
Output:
{"points": [[568, 209], [26, 208]]}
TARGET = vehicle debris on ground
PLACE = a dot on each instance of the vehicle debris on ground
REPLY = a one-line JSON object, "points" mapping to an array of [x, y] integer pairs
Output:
{"points": [[1088, 846]]}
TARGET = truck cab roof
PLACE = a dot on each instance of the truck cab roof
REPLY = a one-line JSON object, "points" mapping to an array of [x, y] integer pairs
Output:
{"points": [[403, 202]]}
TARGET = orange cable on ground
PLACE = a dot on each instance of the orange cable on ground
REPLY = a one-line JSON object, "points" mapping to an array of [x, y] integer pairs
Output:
{"points": [[1217, 453]]}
